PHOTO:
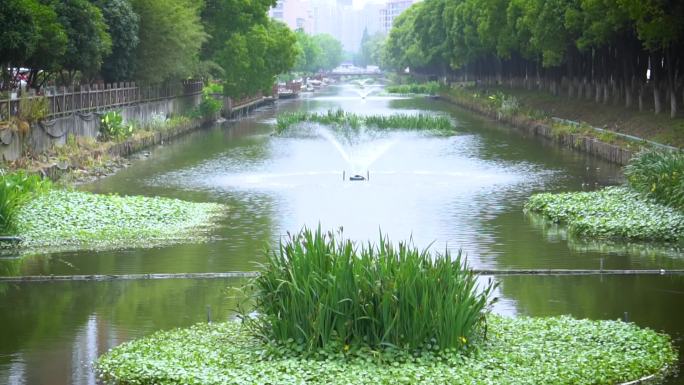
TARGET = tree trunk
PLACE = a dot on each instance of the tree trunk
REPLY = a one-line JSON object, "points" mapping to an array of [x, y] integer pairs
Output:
{"points": [[657, 103], [673, 102], [628, 95], [641, 97], [598, 92], [606, 93]]}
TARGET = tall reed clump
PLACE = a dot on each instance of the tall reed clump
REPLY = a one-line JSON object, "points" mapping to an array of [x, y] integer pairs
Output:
{"points": [[320, 291], [16, 189], [429, 88], [658, 175], [354, 121]]}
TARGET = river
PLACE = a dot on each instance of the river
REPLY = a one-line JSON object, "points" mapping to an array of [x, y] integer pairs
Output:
{"points": [[459, 192]]}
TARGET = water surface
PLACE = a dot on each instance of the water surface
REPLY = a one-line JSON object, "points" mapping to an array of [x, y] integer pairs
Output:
{"points": [[462, 192]]}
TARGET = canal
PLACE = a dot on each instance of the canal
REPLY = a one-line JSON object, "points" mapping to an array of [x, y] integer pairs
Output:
{"points": [[462, 192]]}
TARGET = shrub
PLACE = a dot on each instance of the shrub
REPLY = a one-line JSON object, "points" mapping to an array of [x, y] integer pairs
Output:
{"points": [[33, 109], [658, 175], [210, 106], [16, 189], [112, 126], [319, 291]]}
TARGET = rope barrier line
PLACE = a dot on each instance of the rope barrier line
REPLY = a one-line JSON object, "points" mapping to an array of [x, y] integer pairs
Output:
{"points": [[251, 274]]}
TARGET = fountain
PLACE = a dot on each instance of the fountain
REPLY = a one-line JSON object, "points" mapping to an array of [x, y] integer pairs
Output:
{"points": [[365, 91], [361, 156]]}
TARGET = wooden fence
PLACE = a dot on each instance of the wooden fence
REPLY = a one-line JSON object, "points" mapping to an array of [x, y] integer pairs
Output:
{"points": [[97, 97]]}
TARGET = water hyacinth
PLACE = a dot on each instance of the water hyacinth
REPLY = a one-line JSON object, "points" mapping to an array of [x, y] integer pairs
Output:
{"points": [[71, 219], [613, 212], [557, 350], [339, 117], [318, 289]]}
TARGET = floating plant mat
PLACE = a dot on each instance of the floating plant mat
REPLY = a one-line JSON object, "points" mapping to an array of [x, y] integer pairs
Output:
{"points": [[340, 118], [558, 350], [68, 220], [611, 213]]}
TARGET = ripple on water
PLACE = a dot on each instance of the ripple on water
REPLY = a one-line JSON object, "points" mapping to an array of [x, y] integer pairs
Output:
{"points": [[424, 187]]}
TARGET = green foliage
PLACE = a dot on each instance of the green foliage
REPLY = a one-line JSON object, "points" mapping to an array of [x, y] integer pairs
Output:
{"points": [[331, 51], [72, 220], [658, 175], [224, 18], [171, 35], [112, 126], [505, 105], [30, 35], [88, 40], [316, 290], [209, 107], [252, 60], [17, 189], [122, 24], [33, 109], [340, 118], [558, 350], [429, 88], [613, 212]]}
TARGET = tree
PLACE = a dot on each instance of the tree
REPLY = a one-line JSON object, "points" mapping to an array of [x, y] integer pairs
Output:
{"points": [[310, 55], [223, 18], [30, 36], [88, 41], [331, 51], [364, 57], [254, 58], [122, 24], [171, 35]]}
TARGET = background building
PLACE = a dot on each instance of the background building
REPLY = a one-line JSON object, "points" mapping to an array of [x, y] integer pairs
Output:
{"points": [[393, 8]]}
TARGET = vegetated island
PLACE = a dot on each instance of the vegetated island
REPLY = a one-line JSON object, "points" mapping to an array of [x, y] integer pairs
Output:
{"points": [[340, 118], [47, 217], [331, 313], [649, 208]]}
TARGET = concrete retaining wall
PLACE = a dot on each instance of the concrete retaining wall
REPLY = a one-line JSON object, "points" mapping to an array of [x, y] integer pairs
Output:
{"points": [[44, 135], [593, 146]]}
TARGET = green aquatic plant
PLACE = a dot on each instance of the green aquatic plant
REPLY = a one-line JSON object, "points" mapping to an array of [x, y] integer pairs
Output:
{"points": [[339, 118], [428, 88], [319, 290], [64, 219], [658, 175], [613, 212], [112, 126], [16, 190], [557, 350]]}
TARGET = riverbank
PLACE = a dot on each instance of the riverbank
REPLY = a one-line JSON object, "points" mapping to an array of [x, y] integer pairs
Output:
{"points": [[580, 137]]}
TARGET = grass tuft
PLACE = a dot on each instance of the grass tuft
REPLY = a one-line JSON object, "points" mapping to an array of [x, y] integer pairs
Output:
{"points": [[17, 189], [319, 290], [658, 175]]}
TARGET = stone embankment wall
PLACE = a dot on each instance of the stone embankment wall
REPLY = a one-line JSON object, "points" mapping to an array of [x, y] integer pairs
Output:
{"points": [[44, 135], [611, 152]]}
